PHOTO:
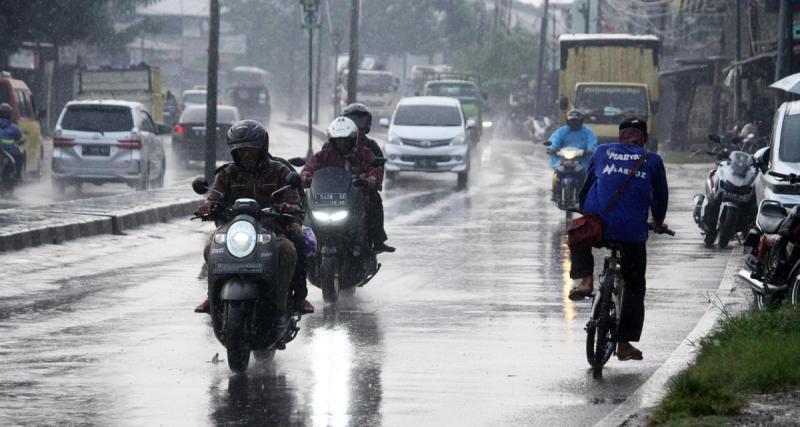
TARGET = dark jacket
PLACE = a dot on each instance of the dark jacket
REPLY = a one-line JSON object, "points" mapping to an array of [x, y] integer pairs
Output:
{"points": [[358, 162], [8, 130], [608, 170], [235, 183]]}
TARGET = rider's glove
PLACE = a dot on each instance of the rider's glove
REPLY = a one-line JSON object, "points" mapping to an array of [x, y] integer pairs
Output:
{"points": [[372, 182]]}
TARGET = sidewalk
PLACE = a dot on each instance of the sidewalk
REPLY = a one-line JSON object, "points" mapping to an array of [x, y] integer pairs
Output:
{"points": [[58, 222]]}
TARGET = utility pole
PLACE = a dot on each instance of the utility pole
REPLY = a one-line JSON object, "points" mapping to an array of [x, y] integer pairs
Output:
{"points": [[319, 69], [310, 7], [542, 48], [585, 10], [737, 89], [354, 62], [211, 92], [783, 62]]}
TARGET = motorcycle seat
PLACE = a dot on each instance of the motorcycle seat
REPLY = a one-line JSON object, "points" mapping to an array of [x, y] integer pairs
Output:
{"points": [[770, 217]]}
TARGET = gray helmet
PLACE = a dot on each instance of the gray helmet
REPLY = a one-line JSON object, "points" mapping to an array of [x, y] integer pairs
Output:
{"points": [[248, 134], [359, 113]]}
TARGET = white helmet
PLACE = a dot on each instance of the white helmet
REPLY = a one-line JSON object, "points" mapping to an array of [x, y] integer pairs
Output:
{"points": [[343, 134]]}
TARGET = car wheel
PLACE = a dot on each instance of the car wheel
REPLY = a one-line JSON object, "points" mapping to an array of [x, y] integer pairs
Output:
{"points": [[144, 183]]}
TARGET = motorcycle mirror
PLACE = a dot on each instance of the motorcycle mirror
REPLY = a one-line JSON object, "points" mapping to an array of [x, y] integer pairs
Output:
{"points": [[378, 162], [200, 185], [714, 138], [547, 143], [297, 161], [293, 179]]}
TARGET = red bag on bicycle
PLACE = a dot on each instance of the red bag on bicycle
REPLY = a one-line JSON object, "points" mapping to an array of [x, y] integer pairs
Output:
{"points": [[587, 231]]}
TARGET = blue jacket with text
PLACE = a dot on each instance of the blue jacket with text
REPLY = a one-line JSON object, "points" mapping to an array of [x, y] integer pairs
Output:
{"points": [[608, 170]]}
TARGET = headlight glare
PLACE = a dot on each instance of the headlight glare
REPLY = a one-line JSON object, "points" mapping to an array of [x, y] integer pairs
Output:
{"points": [[330, 217], [241, 239]]}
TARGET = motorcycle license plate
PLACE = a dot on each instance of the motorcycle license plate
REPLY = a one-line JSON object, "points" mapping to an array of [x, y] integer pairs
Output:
{"points": [[330, 199], [96, 150]]}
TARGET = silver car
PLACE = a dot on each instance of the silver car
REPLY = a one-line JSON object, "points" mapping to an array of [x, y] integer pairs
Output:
{"points": [[107, 141], [782, 156]]}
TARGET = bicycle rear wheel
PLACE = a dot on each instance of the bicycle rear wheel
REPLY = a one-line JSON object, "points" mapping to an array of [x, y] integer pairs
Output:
{"points": [[600, 341]]}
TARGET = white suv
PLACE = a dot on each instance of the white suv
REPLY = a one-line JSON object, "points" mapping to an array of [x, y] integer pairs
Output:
{"points": [[107, 141], [428, 134]]}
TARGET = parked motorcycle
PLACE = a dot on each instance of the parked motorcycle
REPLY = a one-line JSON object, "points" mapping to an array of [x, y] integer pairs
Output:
{"points": [[728, 206], [241, 285], [8, 169], [570, 175], [345, 258], [772, 252]]}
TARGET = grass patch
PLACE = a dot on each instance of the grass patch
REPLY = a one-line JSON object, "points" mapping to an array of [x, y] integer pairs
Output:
{"points": [[754, 352], [684, 157]]}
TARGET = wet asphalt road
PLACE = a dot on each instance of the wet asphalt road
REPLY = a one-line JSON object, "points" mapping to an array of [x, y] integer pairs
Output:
{"points": [[467, 324]]}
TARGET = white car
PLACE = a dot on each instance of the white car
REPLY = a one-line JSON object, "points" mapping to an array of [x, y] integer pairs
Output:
{"points": [[428, 134], [782, 156], [107, 141]]}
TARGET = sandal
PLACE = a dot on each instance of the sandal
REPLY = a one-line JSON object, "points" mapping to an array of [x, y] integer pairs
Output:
{"points": [[634, 354], [578, 294]]}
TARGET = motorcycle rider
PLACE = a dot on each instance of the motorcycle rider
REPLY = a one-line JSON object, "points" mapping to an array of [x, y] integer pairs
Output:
{"points": [[10, 136], [361, 116], [253, 175], [572, 134], [625, 223], [344, 151]]}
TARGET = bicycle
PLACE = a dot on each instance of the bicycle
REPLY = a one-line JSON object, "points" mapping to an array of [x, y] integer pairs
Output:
{"points": [[602, 330]]}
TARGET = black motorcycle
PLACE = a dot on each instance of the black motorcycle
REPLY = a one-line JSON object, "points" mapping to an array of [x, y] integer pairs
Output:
{"points": [[728, 206], [772, 252], [242, 275], [345, 258]]}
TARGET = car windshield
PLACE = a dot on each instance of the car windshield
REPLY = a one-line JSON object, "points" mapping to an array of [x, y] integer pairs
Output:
{"points": [[97, 118], [454, 90], [427, 115], [789, 150], [198, 115], [194, 98], [603, 102]]}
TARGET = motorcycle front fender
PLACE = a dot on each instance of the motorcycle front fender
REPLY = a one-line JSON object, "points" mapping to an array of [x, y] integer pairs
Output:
{"points": [[728, 214], [239, 289]]}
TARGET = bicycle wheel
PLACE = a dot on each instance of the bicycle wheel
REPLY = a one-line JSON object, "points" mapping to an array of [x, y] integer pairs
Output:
{"points": [[600, 331]]}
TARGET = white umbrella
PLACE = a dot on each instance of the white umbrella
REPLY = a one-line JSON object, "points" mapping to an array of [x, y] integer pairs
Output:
{"points": [[789, 84]]}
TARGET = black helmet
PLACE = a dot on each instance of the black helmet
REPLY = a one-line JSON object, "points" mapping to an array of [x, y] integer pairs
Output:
{"points": [[575, 115], [5, 111], [634, 122], [248, 134], [359, 113]]}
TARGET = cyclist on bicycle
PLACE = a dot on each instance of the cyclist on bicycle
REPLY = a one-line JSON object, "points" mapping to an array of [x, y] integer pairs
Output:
{"points": [[625, 223]]}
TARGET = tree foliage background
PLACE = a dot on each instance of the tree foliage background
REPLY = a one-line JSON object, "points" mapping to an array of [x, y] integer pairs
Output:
{"points": [[62, 22], [459, 29]]}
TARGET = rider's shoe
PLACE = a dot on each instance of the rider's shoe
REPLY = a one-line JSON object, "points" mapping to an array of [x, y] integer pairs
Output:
{"points": [[204, 307], [306, 307], [583, 290], [383, 247], [625, 351]]}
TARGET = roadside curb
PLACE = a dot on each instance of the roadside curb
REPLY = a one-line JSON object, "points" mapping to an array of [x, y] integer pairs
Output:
{"points": [[649, 394], [75, 225]]}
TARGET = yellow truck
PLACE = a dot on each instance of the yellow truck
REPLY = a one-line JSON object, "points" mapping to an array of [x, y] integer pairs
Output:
{"points": [[137, 83], [609, 77]]}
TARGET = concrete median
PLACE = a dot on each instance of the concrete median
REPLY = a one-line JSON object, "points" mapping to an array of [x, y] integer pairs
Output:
{"points": [[59, 222]]}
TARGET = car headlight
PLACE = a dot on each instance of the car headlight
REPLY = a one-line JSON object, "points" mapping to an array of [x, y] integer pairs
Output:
{"points": [[487, 123], [458, 140], [330, 216], [394, 139], [241, 239]]}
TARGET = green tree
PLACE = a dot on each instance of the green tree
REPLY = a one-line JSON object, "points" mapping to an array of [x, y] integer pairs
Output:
{"points": [[62, 22], [501, 57]]}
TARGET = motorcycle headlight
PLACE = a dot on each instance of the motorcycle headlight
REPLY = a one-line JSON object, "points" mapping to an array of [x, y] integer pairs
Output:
{"points": [[241, 239], [569, 154], [487, 123], [330, 216]]}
